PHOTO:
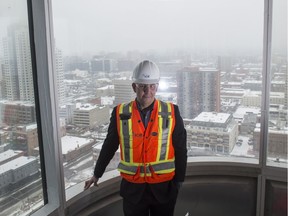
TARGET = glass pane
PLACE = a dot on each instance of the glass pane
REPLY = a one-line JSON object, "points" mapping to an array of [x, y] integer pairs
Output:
{"points": [[20, 180], [210, 57], [278, 117]]}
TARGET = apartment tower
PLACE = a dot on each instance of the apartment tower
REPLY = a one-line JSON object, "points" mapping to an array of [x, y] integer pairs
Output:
{"points": [[198, 91]]}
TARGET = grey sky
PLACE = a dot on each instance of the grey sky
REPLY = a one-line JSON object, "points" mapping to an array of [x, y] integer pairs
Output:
{"points": [[113, 25], [90, 26], [11, 11]]}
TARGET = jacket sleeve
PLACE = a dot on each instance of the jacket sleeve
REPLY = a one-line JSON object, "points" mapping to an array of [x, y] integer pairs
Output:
{"points": [[179, 139], [109, 147]]}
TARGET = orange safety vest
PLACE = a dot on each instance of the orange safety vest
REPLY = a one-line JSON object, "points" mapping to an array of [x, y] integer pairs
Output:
{"points": [[147, 155]]}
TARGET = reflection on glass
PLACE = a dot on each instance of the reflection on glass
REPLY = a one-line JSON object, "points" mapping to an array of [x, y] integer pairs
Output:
{"points": [[209, 54], [278, 116], [20, 183]]}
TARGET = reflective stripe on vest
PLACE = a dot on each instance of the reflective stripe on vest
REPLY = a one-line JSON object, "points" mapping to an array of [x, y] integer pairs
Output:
{"points": [[157, 168], [125, 127], [165, 122], [162, 163]]}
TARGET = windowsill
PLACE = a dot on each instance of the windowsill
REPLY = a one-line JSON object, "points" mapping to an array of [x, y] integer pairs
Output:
{"points": [[277, 164], [228, 165], [77, 189], [230, 160]]}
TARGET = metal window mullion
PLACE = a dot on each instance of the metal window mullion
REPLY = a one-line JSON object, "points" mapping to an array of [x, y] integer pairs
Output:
{"points": [[266, 83], [36, 97], [48, 106], [261, 188]]}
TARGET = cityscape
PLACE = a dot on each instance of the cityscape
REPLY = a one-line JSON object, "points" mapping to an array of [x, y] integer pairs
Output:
{"points": [[219, 97]]}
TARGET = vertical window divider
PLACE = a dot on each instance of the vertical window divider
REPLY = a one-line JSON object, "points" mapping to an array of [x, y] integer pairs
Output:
{"points": [[41, 14], [266, 81], [37, 105]]}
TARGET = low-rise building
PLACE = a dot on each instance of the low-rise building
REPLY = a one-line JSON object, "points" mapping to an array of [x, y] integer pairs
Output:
{"points": [[17, 170], [9, 155], [277, 142], [107, 90], [253, 98], [248, 123], [90, 116], [215, 131], [66, 112], [26, 138], [17, 112], [75, 147]]}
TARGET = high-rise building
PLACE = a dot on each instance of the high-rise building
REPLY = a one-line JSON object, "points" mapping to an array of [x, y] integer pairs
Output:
{"points": [[225, 63], [72, 63], [24, 66], [96, 65], [60, 75], [103, 65], [17, 72], [123, 91], [17, 69], [170, 68], [198, 91], [1, 77], [125, 65], [284, 69]]}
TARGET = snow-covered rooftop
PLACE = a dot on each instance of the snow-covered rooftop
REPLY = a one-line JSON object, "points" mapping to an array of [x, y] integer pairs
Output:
{"points": [[87, 106], [70, 143], [31, 126], [16, 163], [107, 100], [242, 110], [99, 147], [106, 87], [7, 154], [22, 103], [212, 117]]}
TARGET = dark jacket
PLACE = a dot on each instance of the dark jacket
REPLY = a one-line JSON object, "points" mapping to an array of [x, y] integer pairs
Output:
{"points": [[131, 191]]}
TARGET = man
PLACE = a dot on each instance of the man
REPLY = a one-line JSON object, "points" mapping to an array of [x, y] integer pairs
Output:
{"points": [[152, 141]]}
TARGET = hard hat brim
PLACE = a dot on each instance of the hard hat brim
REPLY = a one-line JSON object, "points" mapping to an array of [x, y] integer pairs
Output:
{"points": [[146, 81]]}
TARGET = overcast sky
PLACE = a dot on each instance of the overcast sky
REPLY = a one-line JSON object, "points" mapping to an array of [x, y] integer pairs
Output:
{"points": [[119, 25], [158, 24]]}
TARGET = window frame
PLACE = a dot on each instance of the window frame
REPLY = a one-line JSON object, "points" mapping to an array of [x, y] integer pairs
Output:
{"points": [[43, 43], [42, 46]]}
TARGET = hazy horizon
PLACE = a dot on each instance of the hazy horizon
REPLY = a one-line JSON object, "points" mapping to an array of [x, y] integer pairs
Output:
{"points": [[94, 26], [157, 25]]}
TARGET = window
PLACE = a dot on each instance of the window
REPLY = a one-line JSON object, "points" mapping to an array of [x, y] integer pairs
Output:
{"points": [[193, 42], [96, 45], [21, 186], [278, 116]]}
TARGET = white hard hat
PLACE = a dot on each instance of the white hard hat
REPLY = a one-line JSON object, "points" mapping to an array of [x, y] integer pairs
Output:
{"points": [[146, 72]]}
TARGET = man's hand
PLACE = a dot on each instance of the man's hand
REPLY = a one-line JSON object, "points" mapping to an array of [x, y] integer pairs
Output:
{"points": [[88, 183]]}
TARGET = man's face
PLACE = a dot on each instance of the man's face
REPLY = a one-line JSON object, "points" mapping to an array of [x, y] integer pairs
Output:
{"points": [[145, 93]]}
